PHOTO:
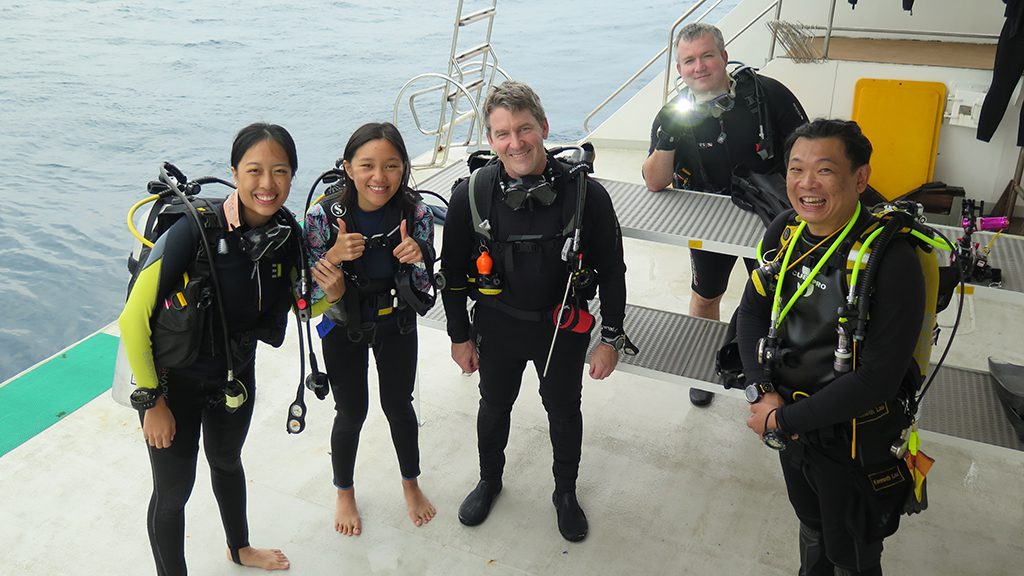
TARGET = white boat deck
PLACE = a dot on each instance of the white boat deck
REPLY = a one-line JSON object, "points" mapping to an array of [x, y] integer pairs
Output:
{"points": [[668, 489]]}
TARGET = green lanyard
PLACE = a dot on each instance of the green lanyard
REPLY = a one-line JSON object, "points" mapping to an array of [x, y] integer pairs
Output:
{"points": [[777, 316]]}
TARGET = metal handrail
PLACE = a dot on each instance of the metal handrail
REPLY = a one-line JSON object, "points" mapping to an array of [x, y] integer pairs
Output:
{"points": [[599, 107], [832, 28], [481, 64], [456, 117], [645, 67]]}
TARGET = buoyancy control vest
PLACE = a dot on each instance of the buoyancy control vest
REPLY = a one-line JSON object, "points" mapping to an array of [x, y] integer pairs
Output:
{"points": [[811, 326], [527, 245], [374, 295]]}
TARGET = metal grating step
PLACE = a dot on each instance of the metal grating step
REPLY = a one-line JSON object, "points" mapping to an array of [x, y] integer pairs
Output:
{"points": [[680, 348], [962, 403]]}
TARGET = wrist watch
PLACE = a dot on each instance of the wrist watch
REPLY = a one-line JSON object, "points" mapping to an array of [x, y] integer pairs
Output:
{"points": [[144, 398], [617, 342], [754, 391]]}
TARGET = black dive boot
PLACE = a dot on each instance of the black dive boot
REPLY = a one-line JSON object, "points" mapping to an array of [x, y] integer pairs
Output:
{"points": [[572, 522], [477, 505]]}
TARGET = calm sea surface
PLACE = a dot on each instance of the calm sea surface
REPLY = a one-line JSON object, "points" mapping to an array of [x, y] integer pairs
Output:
{"points": [[94, 95]]}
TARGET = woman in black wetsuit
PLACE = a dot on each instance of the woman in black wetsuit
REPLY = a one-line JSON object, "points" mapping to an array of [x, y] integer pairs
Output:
{"points": [[359, 237], [177, 403]]}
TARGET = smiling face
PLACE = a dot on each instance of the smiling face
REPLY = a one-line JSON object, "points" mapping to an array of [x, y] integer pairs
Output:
{"points": [[263, 179], [518, 140], [822, 184], [701, 65], [376, 169]]}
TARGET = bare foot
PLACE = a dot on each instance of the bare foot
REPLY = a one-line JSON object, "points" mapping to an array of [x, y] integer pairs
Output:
{"points": [[266, 558], [421, 510], [346, 515]]}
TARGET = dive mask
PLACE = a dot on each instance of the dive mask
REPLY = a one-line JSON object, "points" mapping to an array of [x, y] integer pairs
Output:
{"points": [[256, 242], [519, 191], [713, 108]]}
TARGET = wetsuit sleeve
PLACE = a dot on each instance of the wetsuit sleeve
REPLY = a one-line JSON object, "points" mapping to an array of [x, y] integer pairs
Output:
{"points": [[754, 314], [317, 230], [603, 250], [786, 111], [456, 248], [897, 310], [654, 134], [161, 273], [423, 232]]}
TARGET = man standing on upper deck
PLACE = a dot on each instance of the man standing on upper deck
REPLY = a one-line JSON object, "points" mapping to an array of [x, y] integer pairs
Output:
{"points": [[720, 123]]}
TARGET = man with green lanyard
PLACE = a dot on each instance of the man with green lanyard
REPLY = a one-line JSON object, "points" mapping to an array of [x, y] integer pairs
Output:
{"points": [[830, 403]]}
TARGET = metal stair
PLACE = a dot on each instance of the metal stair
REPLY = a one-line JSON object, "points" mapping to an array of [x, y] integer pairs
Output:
{"points": [[471, 73]]}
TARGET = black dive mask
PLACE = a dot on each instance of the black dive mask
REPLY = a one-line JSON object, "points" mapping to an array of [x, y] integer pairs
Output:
{"points": [[713, 108], [256, 242], [719, 105], [521, 190]]}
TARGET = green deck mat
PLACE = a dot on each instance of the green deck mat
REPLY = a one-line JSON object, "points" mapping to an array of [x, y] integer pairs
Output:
{"points": [[38, 399]]}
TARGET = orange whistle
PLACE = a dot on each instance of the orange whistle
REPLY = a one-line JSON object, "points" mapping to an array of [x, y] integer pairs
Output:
{"points": [[484, 264]]}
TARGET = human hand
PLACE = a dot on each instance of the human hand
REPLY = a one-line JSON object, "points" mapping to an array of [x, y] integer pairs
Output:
{"points": [[674, 119], [330, 279], [158, 425], [603, 360], [466, 356], [408, 250], [762, 413], [347, 247]]}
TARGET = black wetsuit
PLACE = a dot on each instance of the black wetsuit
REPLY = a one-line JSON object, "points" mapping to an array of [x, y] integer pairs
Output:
{"points": [[710, 165], [393, 339], [831, 492], [515, 327], [1006, 73], [256, 298]]}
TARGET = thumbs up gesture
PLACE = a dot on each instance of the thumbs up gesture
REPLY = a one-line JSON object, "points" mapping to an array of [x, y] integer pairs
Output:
{"points": [[347, 247], [407, 251]]}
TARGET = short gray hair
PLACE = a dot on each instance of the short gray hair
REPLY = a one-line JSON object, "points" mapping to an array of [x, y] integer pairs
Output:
{"points": [[695, 30], [514, 96]]}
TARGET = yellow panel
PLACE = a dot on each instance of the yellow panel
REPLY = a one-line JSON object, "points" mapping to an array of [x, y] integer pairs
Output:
{"points": [[696, 244], [902, 120]]}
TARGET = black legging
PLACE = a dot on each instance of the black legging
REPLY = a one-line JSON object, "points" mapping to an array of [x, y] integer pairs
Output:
{"points": [[822, 502], [346, 364], [506, 344], [1008, 67], [174, 468]]}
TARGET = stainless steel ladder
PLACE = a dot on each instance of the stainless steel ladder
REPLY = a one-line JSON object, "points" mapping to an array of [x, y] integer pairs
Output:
{"points": [[471, 73]]}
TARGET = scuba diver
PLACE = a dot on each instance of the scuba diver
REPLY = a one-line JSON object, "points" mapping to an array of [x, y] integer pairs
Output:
{"points": [[551, 251], [371, 242], [241, 254], [720, 124], [831, 344]]}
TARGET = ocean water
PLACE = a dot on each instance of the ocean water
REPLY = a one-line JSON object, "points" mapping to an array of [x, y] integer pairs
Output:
{"points": [[95, 94]]}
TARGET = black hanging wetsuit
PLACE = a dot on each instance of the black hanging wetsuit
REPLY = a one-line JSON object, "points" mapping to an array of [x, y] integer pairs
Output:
{"points": [[515, 327], [256, 298], [1006, 73], [826, 487]]}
